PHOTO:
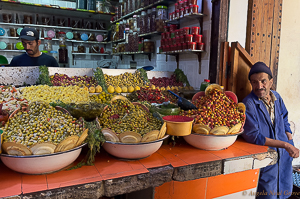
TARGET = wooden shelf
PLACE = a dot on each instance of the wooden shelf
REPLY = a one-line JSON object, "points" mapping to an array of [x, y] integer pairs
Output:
{"points": [[16, 51]]}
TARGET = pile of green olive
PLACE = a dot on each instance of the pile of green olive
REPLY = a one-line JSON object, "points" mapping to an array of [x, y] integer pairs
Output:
{"points": [[41, 123], [123, 116]]}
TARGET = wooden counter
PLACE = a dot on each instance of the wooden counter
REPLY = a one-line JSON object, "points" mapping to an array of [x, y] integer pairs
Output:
{"points": [[229, 171]]}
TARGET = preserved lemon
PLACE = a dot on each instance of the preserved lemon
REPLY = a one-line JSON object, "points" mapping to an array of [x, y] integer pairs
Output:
{"points": [[98, 89], [111, 89], [130, 89], [118, 89], [137, 88], [92, 89], [124, 89]]}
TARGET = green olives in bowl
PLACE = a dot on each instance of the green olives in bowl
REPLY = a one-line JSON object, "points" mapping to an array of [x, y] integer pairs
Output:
{"points": [[166, 109], [88, 111]]}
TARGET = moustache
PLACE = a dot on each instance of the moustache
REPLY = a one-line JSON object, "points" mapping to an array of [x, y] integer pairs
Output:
{"points": [[262, 89]]}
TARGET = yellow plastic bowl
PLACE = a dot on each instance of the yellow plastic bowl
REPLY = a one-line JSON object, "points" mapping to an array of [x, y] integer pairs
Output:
{"points": [[178, 125]]}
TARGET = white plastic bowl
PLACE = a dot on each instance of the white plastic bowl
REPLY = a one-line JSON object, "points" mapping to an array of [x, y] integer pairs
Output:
{"points": [[211, 142], [133, 151], [41, 164]]}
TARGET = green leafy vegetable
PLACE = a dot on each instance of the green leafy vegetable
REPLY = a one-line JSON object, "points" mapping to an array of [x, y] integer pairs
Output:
{"points": [[100, 78], [44, 78], [180, 76], [143, 74], [94, 140]]}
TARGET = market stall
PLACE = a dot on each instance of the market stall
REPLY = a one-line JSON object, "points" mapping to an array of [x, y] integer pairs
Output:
{"points": [[138, 152]]}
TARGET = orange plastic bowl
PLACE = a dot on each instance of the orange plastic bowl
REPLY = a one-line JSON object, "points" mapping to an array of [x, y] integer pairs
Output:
{"points": [[178, 125]]}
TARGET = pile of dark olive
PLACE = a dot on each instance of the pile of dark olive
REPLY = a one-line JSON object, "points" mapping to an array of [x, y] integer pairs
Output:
{"points": [[123, 116], [41, 123]]}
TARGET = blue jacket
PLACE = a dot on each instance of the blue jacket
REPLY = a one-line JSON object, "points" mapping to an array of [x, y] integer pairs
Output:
{"points": [[274, 179]]}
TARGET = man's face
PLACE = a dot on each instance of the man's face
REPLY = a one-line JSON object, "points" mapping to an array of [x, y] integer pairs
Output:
{"points": [[261, 84], [31, 47]]}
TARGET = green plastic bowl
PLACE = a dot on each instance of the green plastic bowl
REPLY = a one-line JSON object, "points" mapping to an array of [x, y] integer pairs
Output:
{"points": [[3, 60], [19, 46], [170, 109]]}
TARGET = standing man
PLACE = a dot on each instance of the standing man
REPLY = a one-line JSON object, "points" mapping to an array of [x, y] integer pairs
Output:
{"points": [[33, 56], [267, 124]]}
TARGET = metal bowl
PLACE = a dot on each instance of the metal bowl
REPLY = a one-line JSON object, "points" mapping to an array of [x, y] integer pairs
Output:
{"points": [[211, 142], [41, 164], [133, 151]]}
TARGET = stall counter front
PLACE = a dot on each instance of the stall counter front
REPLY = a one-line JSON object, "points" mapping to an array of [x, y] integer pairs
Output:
{"points": [[179, 171]]}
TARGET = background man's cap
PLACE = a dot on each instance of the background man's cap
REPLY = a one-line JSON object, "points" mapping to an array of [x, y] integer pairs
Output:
{"points": [[29, 34], [260, 67]]}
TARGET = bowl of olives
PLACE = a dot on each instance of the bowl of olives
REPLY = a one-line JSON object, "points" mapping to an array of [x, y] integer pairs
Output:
{"points": [[88, 111], [41, 139]]}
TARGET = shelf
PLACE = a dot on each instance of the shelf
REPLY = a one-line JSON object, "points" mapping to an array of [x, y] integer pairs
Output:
{"points": [[54, 27], [150, 34], [120, 40], [185, 17], [93, 54], [88, 42], [16, 51], [54, 10], [183, 52], [160, 2], [133, 54], [8, 37], [130, 53]]}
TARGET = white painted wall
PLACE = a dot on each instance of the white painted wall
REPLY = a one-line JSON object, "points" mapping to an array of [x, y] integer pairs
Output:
{"points": [[237, 21], [288, 82]]}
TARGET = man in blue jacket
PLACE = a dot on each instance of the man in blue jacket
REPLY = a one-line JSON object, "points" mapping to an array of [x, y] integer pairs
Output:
{"points": [[267, 124]]}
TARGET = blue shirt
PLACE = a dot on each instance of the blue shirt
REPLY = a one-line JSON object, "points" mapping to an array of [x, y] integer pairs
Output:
{"points": [[25, 60], [274, 179]]}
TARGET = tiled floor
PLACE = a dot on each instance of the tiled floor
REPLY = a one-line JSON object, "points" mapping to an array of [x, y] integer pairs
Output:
{"points": [[108, 167]]}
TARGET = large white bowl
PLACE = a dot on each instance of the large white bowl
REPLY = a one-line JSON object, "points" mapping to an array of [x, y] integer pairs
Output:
{"points": [[41, 164], [133, 151], [211, 142]]}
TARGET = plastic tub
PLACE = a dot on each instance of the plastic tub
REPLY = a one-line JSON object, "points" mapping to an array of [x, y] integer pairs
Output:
{"points": [[200, 46], [178, 125], [195, 30], [185, 31], [194, 9], [198, 38], [191, 46], [188, 38]]}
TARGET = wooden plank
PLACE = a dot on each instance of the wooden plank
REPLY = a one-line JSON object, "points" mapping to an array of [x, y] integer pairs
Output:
{"points": [[234, 57], [264, 28], [243, 86], [274, 58], [225, 59], [245, 54], [249, 33], [257, 29], [269, 30], [219, 29]]}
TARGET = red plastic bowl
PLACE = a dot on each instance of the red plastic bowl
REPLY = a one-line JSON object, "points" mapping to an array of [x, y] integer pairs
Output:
{"points": [[177, 118]]}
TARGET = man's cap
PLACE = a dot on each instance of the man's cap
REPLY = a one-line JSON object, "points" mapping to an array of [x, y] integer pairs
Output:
{"points": [[260, 67], [29, 34]]}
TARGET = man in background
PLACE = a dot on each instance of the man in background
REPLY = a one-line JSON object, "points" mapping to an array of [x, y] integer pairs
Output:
{"points": [[33, 56]]}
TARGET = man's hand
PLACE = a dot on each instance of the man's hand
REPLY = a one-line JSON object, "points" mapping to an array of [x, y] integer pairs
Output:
{"points": [[293, 151], [289, 135]]}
